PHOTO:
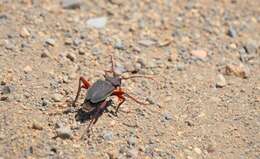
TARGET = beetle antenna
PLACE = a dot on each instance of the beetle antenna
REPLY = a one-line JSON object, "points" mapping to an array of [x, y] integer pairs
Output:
{"points": [[112, 65], [139, 76], [137, 101]]}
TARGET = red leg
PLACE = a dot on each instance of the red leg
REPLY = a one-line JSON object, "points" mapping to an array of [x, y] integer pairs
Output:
{"points": [[120, 94], [85, 85], [121, 101]]}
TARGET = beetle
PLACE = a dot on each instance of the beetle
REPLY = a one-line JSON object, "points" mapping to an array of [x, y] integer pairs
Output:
{"points": [[99, 91]]}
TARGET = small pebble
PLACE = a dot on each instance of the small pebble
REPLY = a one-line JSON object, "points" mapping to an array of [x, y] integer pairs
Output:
{"points": [[250, 47], [71, 4], [96, 51], [118, 2], [57, 97], [201, 54], [2, 136], [81, 51], [137, 67], [231, 32], [45, 54], [132, 153], [24, 32], [44, 102], [119, 69], [77, 41], [108, 135], [167, 116], [9, 45], [119, 45], [71, 56], [36, 125], [220, 81], [197, 150], [210, 148], [3, 98], [180, 66], [3, 17], [68, 41], [131, 141], [129, 67], [142, 62], [97, 23], [27, 69], [233, 46], [112, 154], [7, 89], [146, 42], [237, 70], [50, 41], [123, 149], [64, 132], [150, 100]]}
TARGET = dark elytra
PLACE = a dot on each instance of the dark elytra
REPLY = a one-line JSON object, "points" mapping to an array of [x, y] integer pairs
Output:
{"points": [[101, 89]]}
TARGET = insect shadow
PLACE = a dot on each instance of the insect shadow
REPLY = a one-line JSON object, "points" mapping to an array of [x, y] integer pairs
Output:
{"points": [[87, 111]]}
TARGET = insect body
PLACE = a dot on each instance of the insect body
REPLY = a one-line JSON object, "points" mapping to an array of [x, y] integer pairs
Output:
{"points": [[98, 93]]}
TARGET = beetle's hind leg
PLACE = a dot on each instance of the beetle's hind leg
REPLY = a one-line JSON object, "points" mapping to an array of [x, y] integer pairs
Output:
{"points": [[85, 85], [98, 112]]}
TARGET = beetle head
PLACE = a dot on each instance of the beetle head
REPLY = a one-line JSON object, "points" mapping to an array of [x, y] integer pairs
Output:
{"points": [[115, 81]]}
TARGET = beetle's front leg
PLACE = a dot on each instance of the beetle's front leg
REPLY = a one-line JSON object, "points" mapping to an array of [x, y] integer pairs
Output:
{"points": [[119, 93], [121, 101], [85, 85]]}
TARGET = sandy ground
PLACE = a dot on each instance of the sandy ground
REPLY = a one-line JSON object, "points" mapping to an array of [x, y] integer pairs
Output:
{"points": [[205, 55]]}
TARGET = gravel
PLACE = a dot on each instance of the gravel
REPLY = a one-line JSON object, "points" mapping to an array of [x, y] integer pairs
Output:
{"points": [[45, 54], [131, 141], [108, 135], [167, 116], [119, 69], [231, 32], [57, 97], [71, 56], [71, 4], [251, 47], [180, 66], [44, 102], [81, 51], [132, 153], [50, 41], [64, 132], [119, 45], [98, 23], [96, 51], [37, 125], [197, 150], [221, 81], [146, 42], [7, 89], [77, 42], [24, 32]]}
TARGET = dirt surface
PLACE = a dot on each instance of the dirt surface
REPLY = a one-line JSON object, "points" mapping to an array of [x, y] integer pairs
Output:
{"points": [[204, 54]]}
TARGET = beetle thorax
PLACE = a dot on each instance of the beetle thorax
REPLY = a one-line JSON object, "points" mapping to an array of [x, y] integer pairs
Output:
{"points": [[115, 81]]}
